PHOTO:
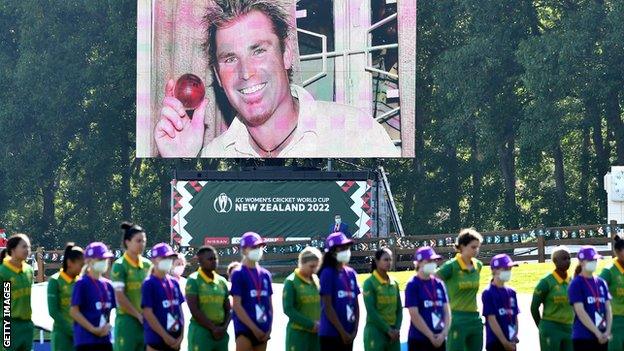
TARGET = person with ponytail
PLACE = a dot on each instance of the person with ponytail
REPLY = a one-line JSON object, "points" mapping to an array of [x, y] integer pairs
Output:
{"points": [[428, 304], [555, 323], [93, 299], [461, 276], [384, 311], [251, 292], [614, 276], [590, 298], [128, 273], [14, 269], [161, 301], [500, 307], [60, 287], [302, 302], [340, 310]]}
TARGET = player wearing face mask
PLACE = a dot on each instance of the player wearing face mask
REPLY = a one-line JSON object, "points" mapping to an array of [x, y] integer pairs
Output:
{"points": [[251, 291], [340, 312], [428, 304], [161, 302], [590, 298], [500, 307], [93, 298]]}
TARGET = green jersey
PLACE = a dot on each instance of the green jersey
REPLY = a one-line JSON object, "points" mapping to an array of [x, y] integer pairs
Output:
{"points": [[21, 279], [301, 301], [60, 287], [128, 276], [462, 284], [552, 291], [211, 294], [614, 276], [383, 302]]}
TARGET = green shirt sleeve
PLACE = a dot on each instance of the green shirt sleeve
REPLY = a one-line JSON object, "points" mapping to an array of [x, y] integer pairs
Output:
{"points": [[54, 308], [606, 275], [191, 287], [539, 296], [288, 303], [118, 273], [370, 301], [445, 271], [399, 310]]}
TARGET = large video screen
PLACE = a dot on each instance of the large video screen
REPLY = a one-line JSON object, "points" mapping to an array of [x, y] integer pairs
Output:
{"points": [[219, 212], [276, 79]]}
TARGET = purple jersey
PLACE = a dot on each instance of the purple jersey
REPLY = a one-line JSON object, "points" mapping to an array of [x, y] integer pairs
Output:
{"points": [[429, 296], [253, 285], [502, 303], [165, 299], [593, 293], [344, 291], [95, 300]]}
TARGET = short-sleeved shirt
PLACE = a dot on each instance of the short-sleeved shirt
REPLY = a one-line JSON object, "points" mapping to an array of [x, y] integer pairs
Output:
{"points": [[593, 293], [165, 299], [384, 293], [614, 276], [462, 284], [129, 276], [342, 286], [211, 294], [552, 291], [253, 285], [302, 295], [503, 304], [60, 287], [429, 296], [324, 129], [95, 300], [21, 279]]}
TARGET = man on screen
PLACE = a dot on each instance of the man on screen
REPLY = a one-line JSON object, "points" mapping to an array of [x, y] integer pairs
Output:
{"points": [[249, 52]]}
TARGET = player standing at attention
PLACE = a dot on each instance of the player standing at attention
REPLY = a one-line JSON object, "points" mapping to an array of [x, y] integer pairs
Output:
{"points": [[384, 311], [555, 323], [128, 274], [461, 276], [614, 276]]}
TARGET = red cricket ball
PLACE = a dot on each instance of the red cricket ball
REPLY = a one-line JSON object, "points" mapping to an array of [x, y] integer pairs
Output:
{"points": [[190, 90]]}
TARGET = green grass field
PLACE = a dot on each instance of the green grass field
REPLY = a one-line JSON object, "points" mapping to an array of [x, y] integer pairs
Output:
{"points": [[523, 279]]}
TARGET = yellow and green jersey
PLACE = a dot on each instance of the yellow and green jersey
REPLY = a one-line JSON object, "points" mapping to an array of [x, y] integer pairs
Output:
{"points": [[301, 301], [211, 294], [60, 286], [552, 291], [614, 276], [383, 302], [462, 284], [129, 275], [21, 279]]}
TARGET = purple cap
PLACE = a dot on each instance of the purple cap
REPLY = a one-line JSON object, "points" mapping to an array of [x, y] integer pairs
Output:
{"points": [[502, 261], [588, 253], [426, 253], [336, 239], [97, 250], [162, 250], [251, 239]]}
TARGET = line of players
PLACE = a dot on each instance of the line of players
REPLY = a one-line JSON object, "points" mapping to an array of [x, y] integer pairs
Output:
{"points": [[323, 310]]}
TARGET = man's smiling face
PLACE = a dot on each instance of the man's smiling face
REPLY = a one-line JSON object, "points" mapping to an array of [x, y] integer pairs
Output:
{"points": [[251, 67]]}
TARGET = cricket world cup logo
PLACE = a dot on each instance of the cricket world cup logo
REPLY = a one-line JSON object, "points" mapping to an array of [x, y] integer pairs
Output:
{"points": [[222, 203]]}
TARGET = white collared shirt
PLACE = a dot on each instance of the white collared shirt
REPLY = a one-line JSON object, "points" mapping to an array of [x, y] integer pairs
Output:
{"points": [[324, 130]]}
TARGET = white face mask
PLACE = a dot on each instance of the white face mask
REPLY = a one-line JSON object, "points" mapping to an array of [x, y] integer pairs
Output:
{"points": [[591, 266], [255, 254], [430, 268], [178, 270], [343, 256], [504, 276], [338, 220], [165, 265], [100, 266]]}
